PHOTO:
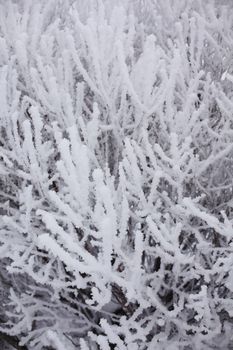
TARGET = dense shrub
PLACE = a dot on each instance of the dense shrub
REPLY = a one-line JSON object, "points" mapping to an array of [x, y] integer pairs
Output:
{"points": [[116, 164]]}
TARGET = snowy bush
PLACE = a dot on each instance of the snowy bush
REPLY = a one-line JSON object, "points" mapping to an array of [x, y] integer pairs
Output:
{"points": [[116, 163]]}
